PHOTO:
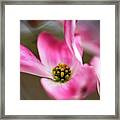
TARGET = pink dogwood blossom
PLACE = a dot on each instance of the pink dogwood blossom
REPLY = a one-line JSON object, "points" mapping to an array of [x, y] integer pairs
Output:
{"points": [[62, 75]]}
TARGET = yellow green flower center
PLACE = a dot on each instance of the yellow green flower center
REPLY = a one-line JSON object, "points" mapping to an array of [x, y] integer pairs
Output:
{"points": [[61, 73]]}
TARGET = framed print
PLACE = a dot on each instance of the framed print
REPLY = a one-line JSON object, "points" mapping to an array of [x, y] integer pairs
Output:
{"points": [[59, 59]]}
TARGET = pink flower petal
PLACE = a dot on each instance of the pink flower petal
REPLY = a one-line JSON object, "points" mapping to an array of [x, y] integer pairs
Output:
{"points": [[30, 64], [98, 86], [69, 29], [80, 86], [78, 50], [72, 40], [88, 80], [89, 32], [53, 51], [91, 47], [61, 91], [96, 63]]}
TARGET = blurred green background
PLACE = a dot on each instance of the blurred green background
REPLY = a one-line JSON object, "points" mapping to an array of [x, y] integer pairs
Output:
{"points": [[30, 87]]}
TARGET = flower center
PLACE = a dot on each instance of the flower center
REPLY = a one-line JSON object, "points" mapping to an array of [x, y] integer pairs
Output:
{"points": [[61, 73]]}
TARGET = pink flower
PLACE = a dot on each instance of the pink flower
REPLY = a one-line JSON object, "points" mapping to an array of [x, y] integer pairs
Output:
{"points": [[96, 63], [62, 75], [89, 32]]}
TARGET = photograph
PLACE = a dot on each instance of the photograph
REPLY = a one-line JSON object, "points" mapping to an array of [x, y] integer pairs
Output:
{"points": [[59, 59]]}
